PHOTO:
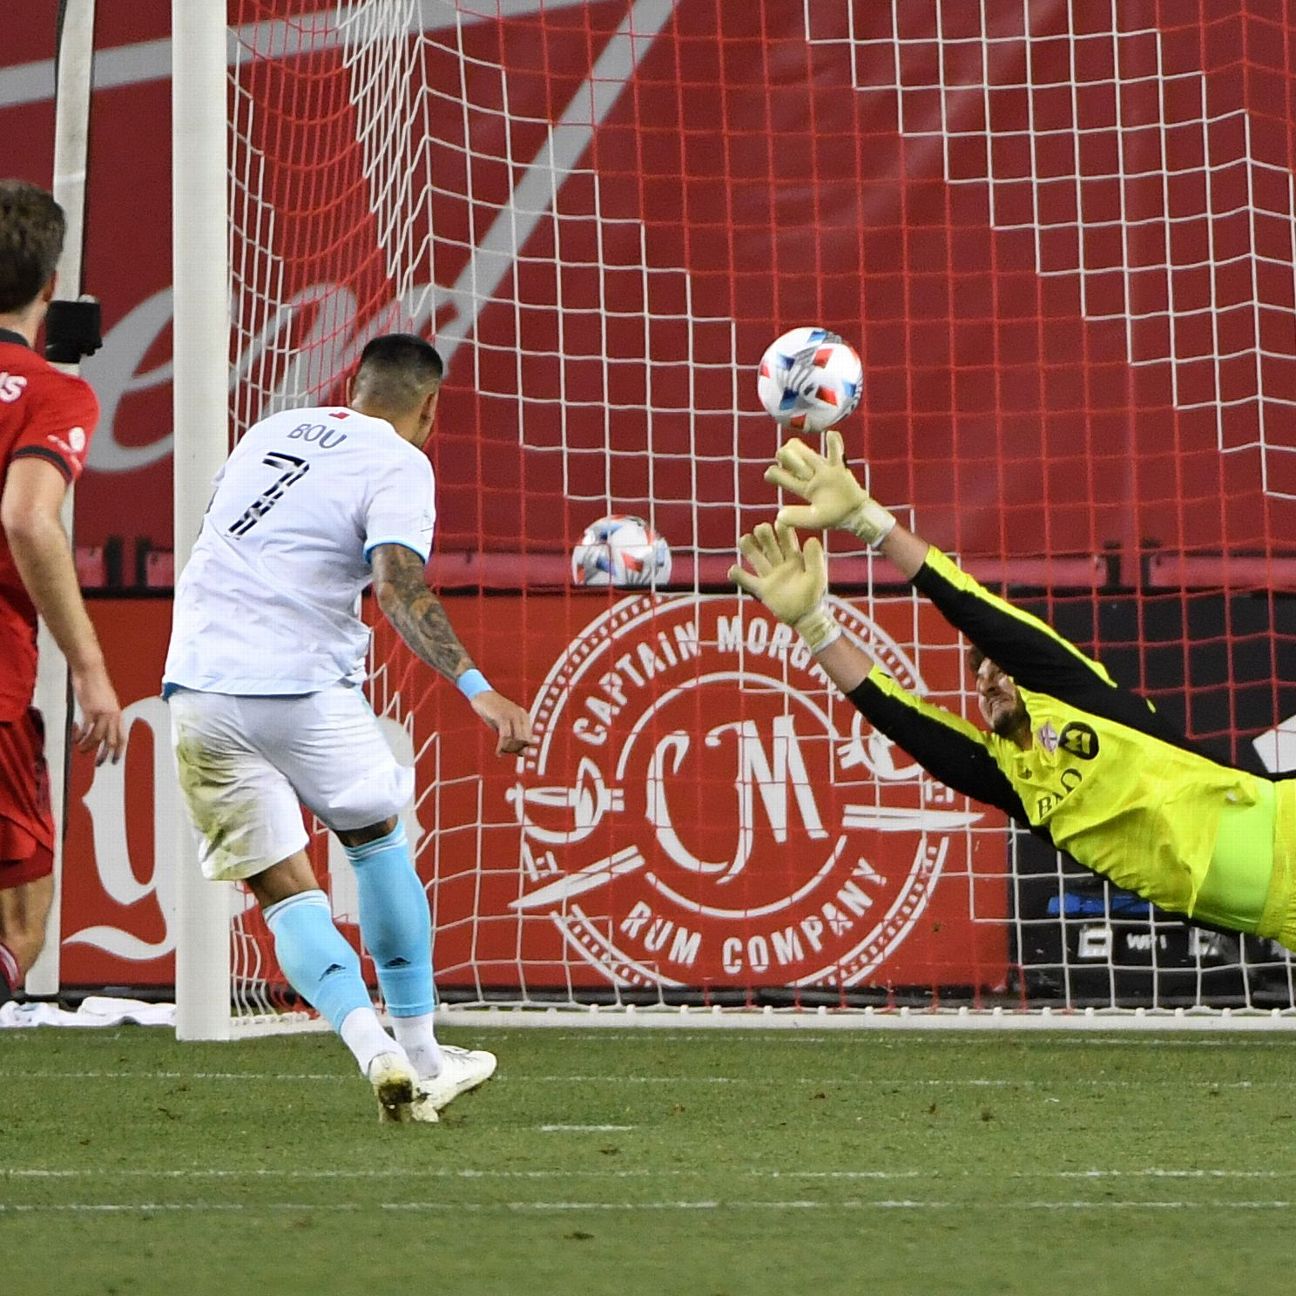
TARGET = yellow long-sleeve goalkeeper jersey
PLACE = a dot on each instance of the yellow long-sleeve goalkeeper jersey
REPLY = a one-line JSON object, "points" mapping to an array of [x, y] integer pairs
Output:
{"points": [[1106, 778]]}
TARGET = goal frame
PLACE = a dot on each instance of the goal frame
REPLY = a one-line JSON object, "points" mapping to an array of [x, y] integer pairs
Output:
{"points": [[202, 54], [200, 258]]}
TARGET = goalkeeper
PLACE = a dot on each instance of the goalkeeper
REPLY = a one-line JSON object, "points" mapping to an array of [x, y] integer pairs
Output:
{"points": [[1084, 763]]}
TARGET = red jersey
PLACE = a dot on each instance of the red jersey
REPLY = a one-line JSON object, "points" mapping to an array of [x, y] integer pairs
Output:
{"points": [[51, 416]]}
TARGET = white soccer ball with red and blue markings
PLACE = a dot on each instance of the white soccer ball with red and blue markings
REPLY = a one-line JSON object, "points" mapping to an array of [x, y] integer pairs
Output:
{"points": [[621, 550], [809, 379]]}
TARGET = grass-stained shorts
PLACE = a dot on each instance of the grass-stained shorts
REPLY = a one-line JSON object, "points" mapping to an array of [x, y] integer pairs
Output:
{"points": [[248, 764]]}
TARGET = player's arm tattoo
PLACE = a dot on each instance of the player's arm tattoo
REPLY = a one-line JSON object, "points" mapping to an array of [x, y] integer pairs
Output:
{"points": [[416, 613]]}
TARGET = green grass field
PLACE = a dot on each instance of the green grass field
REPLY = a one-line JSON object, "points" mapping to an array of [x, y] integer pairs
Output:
{"points": [[652, 1161]]}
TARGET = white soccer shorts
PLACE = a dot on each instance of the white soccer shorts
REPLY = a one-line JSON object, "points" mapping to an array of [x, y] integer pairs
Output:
{"points": [[247, 765]]}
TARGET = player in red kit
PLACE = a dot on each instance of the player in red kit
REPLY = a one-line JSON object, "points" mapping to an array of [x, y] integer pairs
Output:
{"points": [[46, 420]]}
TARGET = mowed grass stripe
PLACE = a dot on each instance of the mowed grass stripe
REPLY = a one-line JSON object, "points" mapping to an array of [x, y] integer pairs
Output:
{"points": [[707, 1204], [872, 1079], [1273, 1033], [443, 1172]]}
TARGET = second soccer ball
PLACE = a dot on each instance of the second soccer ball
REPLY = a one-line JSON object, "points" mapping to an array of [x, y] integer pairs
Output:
{"points": [[809, 380], [621, 550]]}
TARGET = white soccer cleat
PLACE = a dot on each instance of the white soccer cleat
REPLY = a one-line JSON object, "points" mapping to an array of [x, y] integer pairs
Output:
{"points": [[395, 1084], [461, 1070]]}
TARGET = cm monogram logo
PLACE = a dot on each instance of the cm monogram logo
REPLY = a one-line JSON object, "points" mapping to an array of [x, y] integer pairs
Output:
{"points": [[702, 809]]}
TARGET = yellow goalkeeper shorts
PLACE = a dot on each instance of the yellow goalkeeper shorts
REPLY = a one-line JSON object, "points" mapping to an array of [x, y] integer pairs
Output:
{"points": [[1251, 883], [1279, 919]]}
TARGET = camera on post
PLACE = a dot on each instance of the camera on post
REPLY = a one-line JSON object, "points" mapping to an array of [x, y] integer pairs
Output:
{"points": [[72, 330]]}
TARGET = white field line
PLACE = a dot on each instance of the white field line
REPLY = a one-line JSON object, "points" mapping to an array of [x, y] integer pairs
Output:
{"points": [[19, 1073], [829, 1024], [873, 1080], [542, 1207], [447, 1172], [581, 1129]]}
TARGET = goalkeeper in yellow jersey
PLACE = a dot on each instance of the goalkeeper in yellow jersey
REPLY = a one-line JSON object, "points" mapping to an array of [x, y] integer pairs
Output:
{"points": [[1082, 762]]}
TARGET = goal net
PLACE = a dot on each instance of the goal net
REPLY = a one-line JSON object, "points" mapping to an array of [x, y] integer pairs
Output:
{"points": [[1061, 239]]}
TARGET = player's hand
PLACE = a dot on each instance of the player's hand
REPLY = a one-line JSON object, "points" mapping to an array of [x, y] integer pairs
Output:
{"points": [[512, 725], [789, 580], [833, 497], [100, 727]]}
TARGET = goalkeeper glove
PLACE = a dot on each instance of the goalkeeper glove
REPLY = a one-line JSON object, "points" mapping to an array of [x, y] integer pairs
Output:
{"points": [[791, 582], [833, 497]]}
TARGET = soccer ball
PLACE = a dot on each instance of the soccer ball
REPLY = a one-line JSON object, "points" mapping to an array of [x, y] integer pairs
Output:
{"points": [[809, 380], [621, 550]]}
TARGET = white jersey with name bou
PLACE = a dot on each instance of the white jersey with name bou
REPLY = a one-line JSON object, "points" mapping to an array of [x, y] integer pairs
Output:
{"points": [[268, 602]]}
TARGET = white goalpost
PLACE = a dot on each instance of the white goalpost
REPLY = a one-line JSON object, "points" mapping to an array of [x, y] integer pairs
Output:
{"points": [[583, 206], [201, 384], [71, 145]]}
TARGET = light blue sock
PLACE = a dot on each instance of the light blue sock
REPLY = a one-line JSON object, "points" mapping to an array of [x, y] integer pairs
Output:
{"points": [[395, 922], [316, 958]]}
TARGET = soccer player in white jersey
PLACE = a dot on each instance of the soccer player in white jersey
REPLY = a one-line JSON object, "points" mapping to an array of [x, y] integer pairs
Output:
{"points": [[264, 678]]}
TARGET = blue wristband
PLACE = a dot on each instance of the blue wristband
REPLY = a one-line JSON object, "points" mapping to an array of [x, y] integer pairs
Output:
{"points": [[472, 682]]}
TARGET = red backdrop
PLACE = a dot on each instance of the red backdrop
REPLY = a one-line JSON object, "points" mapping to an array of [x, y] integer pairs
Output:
{"points": [[700, 810], [1064, 253], [1066, 302]]}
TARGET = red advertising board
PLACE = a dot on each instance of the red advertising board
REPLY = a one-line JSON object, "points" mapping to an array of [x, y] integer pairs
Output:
{"points": [[118, 917], [700, 809]]}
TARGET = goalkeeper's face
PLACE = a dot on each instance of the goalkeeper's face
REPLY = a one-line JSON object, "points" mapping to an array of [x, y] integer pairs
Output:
{"points": [[1001, 706]]}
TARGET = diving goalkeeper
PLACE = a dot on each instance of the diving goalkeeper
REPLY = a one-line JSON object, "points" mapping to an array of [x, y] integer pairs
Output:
{"points": [[1085, 764]]}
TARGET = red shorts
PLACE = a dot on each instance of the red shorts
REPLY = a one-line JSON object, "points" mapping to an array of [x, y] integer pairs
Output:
{"points": [[26, 823]]}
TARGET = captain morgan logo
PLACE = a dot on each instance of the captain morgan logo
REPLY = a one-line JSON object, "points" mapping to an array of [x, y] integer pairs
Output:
{"points": [[702, 807]]}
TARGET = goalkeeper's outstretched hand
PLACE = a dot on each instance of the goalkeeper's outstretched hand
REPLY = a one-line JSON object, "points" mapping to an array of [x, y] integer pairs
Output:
{"points": [[833, 497], [792, 582]]}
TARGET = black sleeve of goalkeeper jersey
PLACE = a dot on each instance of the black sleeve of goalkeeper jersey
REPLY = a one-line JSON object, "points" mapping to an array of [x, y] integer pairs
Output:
{"points": [[945, 752], [1016, 641], [1037, 658]]}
